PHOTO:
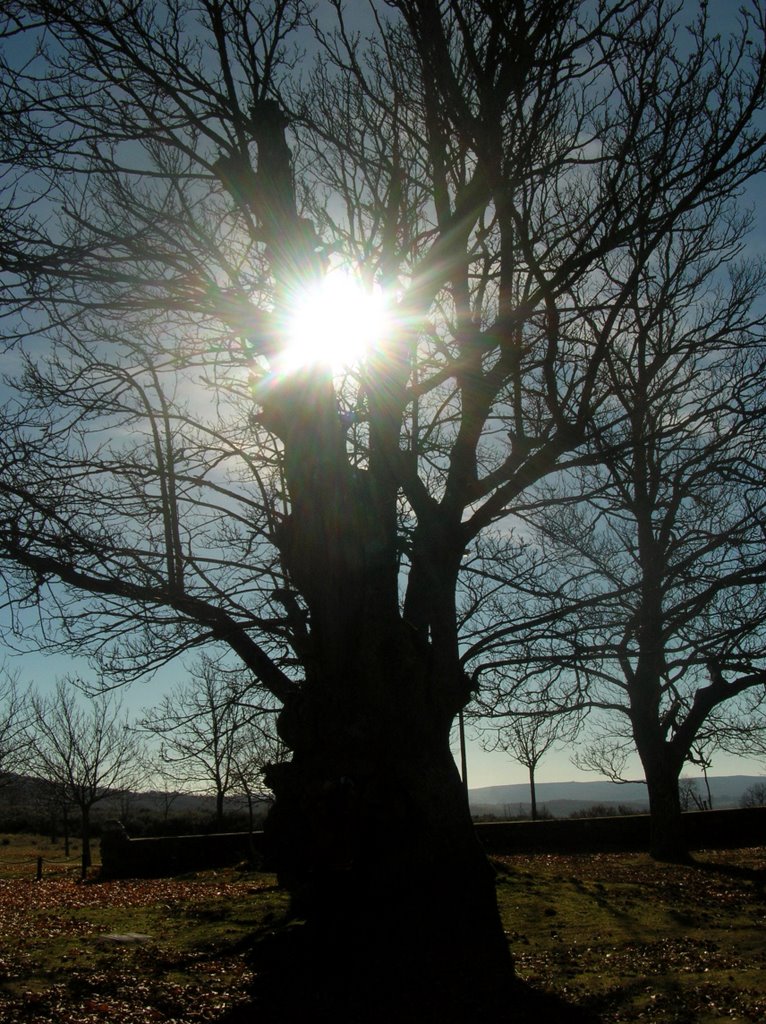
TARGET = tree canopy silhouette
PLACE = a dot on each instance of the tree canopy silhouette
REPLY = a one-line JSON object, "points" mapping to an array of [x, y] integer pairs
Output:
{"points": [[177, 178]]}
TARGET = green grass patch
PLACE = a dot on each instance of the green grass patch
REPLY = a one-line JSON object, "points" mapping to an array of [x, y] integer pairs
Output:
{"points": [[19, 854], [618, 935], [632, 940], [58, 963]]}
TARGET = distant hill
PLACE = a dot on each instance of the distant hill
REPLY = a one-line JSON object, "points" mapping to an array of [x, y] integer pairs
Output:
{"points": [[563, 798], [22, 797], [29, 804]]}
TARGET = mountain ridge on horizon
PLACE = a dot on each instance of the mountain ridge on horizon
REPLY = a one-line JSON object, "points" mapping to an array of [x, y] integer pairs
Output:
{"points": [[726, 791]]}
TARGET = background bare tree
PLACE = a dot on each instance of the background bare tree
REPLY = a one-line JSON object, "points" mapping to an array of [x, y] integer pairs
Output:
{"points": [[652, 557], [13, 717], [210, 737], [755, 795], [258, 748], [188, 178], [86, 750], [691, 797], [527, 739]]}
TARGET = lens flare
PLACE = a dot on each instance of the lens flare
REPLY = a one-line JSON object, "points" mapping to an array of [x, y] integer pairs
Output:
{"points": [[336, 324]]}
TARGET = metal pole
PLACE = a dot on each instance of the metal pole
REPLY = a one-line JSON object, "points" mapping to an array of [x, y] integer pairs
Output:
{"points": [[463, 758]]}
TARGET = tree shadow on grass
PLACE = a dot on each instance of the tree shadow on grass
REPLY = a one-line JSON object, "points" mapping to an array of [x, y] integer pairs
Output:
{"points": [[295, 981], [738, 871]]}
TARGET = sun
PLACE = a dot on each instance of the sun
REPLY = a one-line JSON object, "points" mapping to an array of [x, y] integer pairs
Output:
{"points": [[337, 324]]}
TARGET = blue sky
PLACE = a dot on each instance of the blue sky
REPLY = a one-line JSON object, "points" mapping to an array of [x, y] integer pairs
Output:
{"points": [[484, 769]]}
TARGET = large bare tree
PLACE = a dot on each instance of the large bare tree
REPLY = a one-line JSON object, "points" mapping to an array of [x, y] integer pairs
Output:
{"points": [[647, 604], [170, 475]]}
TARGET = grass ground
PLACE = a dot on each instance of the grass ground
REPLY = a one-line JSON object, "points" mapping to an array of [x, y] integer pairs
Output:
{"points": [[617, 935], [633, 940], [19, 855], [58, 966]]}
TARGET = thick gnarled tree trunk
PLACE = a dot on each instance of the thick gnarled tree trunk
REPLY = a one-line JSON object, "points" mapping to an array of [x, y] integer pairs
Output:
{"points": [[667, 840], [662, 766], [373, 836], [371, 830]]}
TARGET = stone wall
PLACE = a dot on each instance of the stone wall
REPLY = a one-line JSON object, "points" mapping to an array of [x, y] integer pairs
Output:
{"points": [[123, 857], [710, 830]]}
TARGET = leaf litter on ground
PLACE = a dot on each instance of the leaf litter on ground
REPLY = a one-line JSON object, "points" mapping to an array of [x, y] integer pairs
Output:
{"points": [[618, 935], [630, 939], [54, 968]]}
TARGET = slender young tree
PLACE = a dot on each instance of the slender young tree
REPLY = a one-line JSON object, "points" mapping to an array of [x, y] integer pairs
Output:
{"points": [[528, 740], [201, 725], [88, 752], [13, 717], [258, 748], [185, 461]]}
